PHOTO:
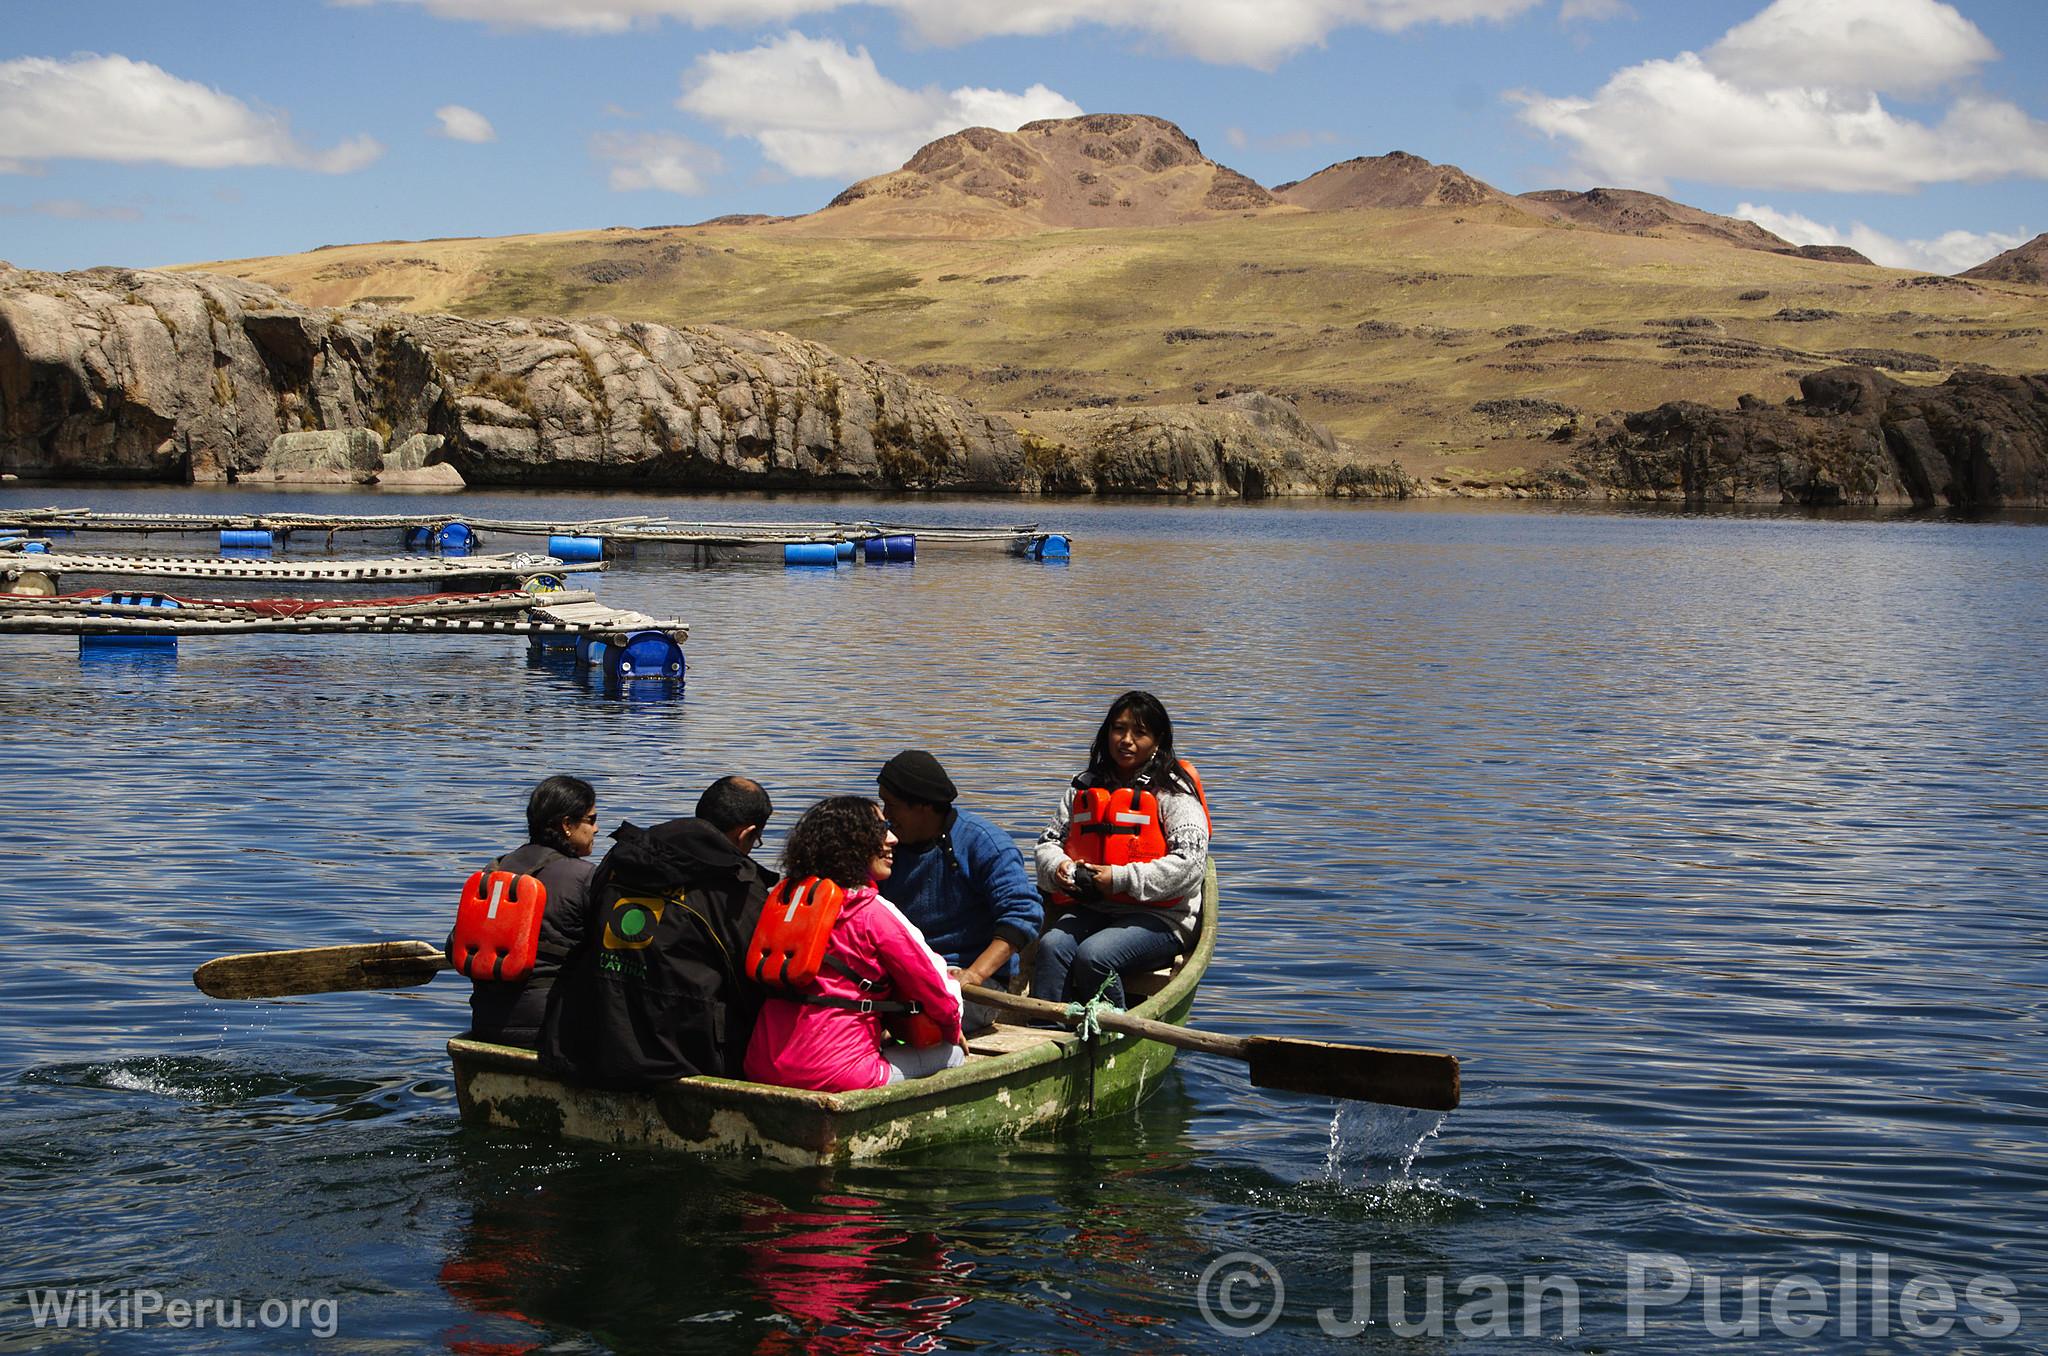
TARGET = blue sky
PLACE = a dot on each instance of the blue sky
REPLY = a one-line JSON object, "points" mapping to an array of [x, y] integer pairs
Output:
{"points": [[164, 132]]}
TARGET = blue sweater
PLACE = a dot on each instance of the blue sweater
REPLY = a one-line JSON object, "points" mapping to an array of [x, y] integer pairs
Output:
{"points": [[965, 898]]}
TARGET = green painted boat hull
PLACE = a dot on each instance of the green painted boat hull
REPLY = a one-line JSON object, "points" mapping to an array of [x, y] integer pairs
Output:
{"points": [[992, 1096]]}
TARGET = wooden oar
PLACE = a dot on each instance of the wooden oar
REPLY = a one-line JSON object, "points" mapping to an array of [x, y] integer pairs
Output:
{"points": [[1359, 1073], [321, 969]]}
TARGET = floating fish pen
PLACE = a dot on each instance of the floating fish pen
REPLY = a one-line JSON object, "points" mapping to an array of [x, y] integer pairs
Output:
{"points": [[622, 644], [580, 541], [42, 573]]}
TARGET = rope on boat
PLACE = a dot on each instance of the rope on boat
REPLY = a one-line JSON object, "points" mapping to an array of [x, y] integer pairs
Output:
{"points": [[1087, 1016]]}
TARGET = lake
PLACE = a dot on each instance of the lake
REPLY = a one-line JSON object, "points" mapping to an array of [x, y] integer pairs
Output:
{"points": [[1716, 846]]}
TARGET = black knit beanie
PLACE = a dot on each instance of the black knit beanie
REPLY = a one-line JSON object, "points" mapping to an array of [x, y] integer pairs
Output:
{"points": [[915, 775]]}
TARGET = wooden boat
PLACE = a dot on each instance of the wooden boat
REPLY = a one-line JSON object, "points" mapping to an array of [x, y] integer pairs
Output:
{"points": [[1016, 1079]]}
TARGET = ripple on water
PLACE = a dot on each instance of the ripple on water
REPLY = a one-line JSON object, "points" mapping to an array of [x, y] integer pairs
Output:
{"points": [[1714, 846]]}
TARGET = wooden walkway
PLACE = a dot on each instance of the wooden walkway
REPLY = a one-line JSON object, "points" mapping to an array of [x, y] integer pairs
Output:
{"points": [[565, 615], [481, 570], [643, 529]]}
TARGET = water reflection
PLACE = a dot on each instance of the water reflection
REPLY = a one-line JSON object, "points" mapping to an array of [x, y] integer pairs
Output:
{"points": [[648, 1253], [1714, 844]]}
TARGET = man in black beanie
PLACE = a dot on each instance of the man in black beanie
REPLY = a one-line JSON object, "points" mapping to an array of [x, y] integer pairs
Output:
{"points": [[959, 878]]}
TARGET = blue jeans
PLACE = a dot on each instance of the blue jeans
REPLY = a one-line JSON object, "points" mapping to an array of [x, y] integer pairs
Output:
{"points": [[1081, 948]]}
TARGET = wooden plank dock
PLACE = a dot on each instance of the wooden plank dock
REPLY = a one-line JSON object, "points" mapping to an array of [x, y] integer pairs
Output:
{"points": [[568, 615], [474, 570], [616, 532]]}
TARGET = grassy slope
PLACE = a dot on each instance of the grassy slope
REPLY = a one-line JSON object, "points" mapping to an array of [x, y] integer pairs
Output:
{"points": [[1041, 321]]}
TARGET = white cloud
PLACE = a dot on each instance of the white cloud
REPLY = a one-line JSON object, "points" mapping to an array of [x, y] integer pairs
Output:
{"points": [[642, 160], [613, 16], [1950, 252], [1230, 32], [1896, 46], [73, 209], [1593, 11], [820, 111], [465, 124], [111, 108], [1775, 105]]}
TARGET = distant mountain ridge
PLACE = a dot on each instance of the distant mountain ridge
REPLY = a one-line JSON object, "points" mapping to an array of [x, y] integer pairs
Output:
{"points": [[1129, 169]]}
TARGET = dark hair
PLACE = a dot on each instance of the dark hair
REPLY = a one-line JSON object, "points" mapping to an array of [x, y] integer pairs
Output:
{"points": [[731, 802], [836, 839], [1151, 713], [554, 800]]}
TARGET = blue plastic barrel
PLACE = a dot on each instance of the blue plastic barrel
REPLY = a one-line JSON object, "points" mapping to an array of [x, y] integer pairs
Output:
{"points": [[567, 548], [36, 548], [810, 553], [245, 553], [453, 538], [245, 538], [898, 547], [646, 654], [846, 550], [1052, 546], [132, 640]]}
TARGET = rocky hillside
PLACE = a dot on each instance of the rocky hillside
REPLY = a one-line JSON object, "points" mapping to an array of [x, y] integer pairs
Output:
{"points": [[1626, 211], [2026, 264], [117, 373], [1105, 169], [1854, 436], [1396, 179]]}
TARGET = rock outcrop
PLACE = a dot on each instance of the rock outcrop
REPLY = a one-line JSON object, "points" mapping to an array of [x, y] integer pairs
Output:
{"points": [[1854, 436], [117, 373], [1249, 445]]}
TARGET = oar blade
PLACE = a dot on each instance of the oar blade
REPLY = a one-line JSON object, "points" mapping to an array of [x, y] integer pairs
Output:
{"points": [[323, 969], [1412, 1078]]}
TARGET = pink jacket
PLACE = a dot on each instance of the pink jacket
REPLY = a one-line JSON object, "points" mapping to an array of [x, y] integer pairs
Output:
{"points": [[803, 1045]]}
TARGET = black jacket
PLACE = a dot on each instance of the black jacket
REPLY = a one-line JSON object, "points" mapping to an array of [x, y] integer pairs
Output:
{"points": [[510, 1014], [655, 990]]}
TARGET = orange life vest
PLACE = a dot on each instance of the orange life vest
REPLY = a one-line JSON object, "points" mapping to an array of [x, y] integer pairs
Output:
{"points": [[1117, 828], [790, 945], [497, 926]]}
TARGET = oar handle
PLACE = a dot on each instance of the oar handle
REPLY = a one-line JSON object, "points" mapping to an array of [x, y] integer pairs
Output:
{"points": [[1182, 1037]]}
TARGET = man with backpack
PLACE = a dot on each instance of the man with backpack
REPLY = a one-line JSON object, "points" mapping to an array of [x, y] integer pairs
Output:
{"points": [[656, 991]]}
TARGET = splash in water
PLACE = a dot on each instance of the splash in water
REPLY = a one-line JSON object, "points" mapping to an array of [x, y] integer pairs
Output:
{"points": [[1373, 1151]]}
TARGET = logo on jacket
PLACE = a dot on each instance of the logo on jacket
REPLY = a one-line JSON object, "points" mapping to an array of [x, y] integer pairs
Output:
{"points": [[631, 923]]}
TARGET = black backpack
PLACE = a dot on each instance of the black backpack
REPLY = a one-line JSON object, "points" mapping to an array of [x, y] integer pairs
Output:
{"points": [[656, 991]]}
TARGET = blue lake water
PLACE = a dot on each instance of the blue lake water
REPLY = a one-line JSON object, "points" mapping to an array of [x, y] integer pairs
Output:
{"points": [[1717, 846]]}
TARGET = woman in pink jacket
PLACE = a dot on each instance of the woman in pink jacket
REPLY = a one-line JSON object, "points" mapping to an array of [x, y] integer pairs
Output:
{"points": [[838, 1049]]}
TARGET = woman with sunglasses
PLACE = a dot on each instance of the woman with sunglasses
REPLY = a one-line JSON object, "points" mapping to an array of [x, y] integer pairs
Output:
{"points": [[561, 827]]}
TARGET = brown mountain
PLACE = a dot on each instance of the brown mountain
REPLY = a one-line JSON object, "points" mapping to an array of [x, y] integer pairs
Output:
{"points": [[1396, 179], [1105, 169], [1628, 211], [2027, 263]]}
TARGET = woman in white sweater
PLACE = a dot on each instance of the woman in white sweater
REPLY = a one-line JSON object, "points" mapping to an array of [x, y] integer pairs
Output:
{"points": [[1122, 860]]}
